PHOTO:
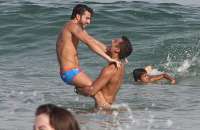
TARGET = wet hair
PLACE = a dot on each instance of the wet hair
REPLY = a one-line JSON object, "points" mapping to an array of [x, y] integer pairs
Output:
{"points": [[80, 9], [59, 118], [137, 73], [125, 48]]}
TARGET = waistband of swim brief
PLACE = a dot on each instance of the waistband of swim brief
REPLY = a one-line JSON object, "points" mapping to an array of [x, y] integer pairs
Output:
{"points": [[66, 68]]}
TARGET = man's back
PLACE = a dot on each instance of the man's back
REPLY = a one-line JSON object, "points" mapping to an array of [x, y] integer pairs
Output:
{"points": [[112, 87]]}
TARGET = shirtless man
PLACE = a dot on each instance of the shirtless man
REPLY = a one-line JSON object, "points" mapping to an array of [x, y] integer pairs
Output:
{"points": [[111, 77], [66, 47]]}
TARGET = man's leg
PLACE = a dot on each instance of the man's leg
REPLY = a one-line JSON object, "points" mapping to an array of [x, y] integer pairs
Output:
{"points": [[83, 82]]}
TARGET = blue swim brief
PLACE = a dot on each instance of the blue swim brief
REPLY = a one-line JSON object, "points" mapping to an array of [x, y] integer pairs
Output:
{"points": [[68, 76]]}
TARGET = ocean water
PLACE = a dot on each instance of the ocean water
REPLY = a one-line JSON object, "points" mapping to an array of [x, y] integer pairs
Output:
{"points": [[164, 35]]}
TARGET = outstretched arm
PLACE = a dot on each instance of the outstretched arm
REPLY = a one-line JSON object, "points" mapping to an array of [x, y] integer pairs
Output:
{"points": [[172, 80], [102, 46], [92, 43], [162, 76]]}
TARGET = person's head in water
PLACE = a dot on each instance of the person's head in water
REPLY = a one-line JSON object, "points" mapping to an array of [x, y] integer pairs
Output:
{"points": [[120, 46], [51, 117], [138, 73], [82, 13]]}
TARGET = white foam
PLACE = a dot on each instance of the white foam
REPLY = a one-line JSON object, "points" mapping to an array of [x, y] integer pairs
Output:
{"points": [[184, 67], [188, 63], [155, 72]]}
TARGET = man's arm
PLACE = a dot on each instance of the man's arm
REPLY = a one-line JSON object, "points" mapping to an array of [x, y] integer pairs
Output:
{"points": [[172, 80], [101, 45], [162, 76], [92, 43], [102, 80], [156, 77]]}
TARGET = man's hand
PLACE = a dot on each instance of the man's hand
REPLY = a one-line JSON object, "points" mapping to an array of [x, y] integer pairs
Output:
{"points": [[126, 61], [86, 91], [173, 81], [117, 63]]}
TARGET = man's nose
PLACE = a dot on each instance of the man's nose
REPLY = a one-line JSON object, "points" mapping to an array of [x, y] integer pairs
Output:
{"points": [[88, 21]]}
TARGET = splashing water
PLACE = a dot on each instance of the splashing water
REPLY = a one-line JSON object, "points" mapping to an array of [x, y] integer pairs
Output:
{"points": [[182, 67], [155, 72], [189, 62]]}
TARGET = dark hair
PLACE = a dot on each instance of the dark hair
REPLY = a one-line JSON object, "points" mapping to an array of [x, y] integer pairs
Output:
{"points": [[80, 9], [125, 48], [59, 118], [137, 73]]}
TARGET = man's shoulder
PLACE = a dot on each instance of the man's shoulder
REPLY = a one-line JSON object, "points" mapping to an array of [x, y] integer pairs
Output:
{"points": [[70, 23], [70, 27], [73, 25], [113, 69], [110, 68], [113, 66]]}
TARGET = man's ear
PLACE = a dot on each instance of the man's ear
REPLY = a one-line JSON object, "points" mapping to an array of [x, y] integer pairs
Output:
{"points": [[78, 17]]}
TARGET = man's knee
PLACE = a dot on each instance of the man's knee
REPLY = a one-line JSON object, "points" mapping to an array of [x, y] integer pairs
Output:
{"points": [[85, 91]]}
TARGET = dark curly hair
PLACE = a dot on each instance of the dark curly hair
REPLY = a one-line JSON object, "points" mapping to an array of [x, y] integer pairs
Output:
{"points": [[125, 48], [80, 9]]}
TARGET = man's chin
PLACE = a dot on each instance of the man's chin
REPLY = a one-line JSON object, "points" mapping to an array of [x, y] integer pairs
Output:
{"points": [[84, 26]]}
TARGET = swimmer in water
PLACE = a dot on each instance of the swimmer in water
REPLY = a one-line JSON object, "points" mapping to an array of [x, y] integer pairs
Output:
{"points": [[150, 75]]}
